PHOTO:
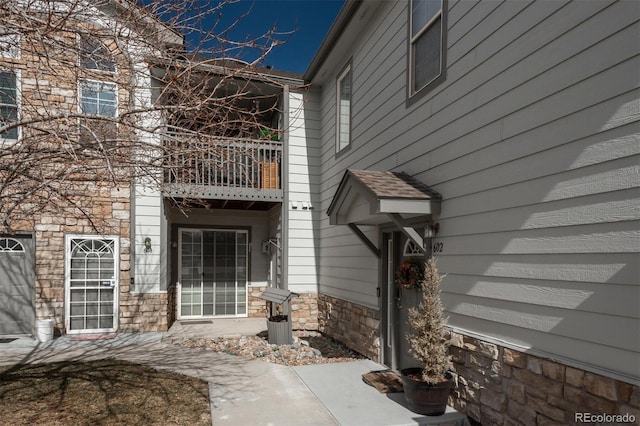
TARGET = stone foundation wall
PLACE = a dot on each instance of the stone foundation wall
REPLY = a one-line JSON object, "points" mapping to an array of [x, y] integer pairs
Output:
{"points": [[304, 308], [501, 386], [304, 311], [144, 312], [354, 325], [256, 307]]}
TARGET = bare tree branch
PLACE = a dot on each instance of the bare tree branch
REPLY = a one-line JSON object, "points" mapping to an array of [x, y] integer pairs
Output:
{"points": [[111, 93]]}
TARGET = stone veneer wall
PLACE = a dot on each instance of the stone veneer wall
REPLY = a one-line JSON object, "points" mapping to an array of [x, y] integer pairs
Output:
{"points": [[257, 308], [109, 209], [304, 308], [110, 212], [143, 312], [354, 325], [502, 386]]}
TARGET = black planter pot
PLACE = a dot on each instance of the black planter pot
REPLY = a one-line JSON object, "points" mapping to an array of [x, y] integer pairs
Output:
{"points": [[424, 398]]}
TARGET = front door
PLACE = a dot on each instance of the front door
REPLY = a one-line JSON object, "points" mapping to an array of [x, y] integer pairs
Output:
{"points": [[91, 287], [17, 311], [212, 270], [396, 302]]}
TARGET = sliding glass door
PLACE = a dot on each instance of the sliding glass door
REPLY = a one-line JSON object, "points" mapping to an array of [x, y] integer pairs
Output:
{"points": [[213, 273]]}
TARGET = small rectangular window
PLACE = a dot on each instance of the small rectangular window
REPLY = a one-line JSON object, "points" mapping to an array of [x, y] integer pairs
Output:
{"points": [[9, 44], [426, 44], [343, 109], [8, 103], [98, 98]]}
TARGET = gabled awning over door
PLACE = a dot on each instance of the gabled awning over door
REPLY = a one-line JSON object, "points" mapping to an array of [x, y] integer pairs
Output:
{"points": [[366, 197]]}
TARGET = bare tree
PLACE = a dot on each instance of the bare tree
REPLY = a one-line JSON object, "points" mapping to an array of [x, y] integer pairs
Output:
{"points": [[100, 94]]}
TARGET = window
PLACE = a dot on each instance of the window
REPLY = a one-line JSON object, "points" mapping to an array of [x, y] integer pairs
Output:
{"points": [[426, 44], [343, 113], [98, 98], [95, 56], [8, 103], [9, 44], [411, 249], [11, 245]]}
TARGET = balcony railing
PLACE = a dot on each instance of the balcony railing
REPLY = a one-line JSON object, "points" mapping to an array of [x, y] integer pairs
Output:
{"points": [[209, 167]]}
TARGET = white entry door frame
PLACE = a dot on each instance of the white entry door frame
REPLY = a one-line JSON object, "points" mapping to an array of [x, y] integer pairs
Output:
{"points": [[92, 268]]}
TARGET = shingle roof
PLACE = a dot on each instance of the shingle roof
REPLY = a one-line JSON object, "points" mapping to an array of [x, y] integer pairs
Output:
{"points": [[389, 184]]}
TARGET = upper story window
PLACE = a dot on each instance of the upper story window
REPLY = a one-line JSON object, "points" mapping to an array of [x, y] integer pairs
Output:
{"points": [[98, 98], [343, 109], [95, 56], [9, 44], [426, 44], [8, 103]]}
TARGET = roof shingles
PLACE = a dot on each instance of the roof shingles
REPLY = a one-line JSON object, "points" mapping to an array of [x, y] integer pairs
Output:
{"points": [[387, 184]]}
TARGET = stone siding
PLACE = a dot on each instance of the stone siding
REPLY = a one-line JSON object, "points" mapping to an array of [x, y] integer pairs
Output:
{"points": [[108, 209], [257, 308], [143, 312], [304, 308], [502, 386], [355, 325], [304, 311]]}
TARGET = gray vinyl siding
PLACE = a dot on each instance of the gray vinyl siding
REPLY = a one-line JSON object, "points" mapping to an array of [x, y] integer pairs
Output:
{"points": [[532, 140], [302, 189]]}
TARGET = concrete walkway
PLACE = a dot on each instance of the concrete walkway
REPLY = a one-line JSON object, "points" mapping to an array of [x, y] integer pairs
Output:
{"points": [[244, 392]]}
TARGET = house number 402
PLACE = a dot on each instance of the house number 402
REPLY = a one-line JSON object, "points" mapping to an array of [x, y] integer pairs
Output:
{"points": [[438, 247]]}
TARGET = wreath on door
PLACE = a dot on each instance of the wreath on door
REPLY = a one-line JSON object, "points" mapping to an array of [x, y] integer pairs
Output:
{"points": [[410, 274]]}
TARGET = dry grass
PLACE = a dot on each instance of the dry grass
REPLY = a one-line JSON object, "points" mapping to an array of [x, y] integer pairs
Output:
{"points": [[105, 392]]}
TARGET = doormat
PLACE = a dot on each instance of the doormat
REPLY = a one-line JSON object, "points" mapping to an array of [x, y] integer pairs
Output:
{"points": [[8, 340], [196, 322], [82, 337], [385, 381]]}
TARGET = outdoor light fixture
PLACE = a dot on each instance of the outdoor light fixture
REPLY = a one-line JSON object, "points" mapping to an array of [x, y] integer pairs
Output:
{"points": [[147, 245]]}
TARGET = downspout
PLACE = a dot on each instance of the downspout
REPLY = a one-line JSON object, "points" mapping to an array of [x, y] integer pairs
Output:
{"points": [[285, 208], [285, 189]]}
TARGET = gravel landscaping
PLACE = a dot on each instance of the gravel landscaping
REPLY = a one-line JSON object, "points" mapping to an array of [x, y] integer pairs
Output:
{"points": [[308, 348]]}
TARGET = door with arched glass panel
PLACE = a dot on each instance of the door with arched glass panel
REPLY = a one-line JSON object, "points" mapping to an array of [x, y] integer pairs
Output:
{"points": [[91, 284], [212, 272]]}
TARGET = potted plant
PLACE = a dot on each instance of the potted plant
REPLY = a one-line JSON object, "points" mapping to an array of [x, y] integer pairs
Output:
{"points": [[427, 388]]}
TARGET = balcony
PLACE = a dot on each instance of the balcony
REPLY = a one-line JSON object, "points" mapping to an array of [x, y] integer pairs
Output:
{"points": [[221, 168]]}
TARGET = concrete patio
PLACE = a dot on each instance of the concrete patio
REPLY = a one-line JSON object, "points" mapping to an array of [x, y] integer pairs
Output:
{"points": [[244, 392]]}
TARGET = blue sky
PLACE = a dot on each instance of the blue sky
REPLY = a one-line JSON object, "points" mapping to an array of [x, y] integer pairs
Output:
{"points": [[311, 19]]}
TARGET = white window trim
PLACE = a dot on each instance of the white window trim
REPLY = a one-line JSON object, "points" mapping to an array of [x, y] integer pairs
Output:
{"points": [[67, 280], [18, 74], [414, 39], [410, 249], [88, 80], [343, 74], [16, 247]]}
